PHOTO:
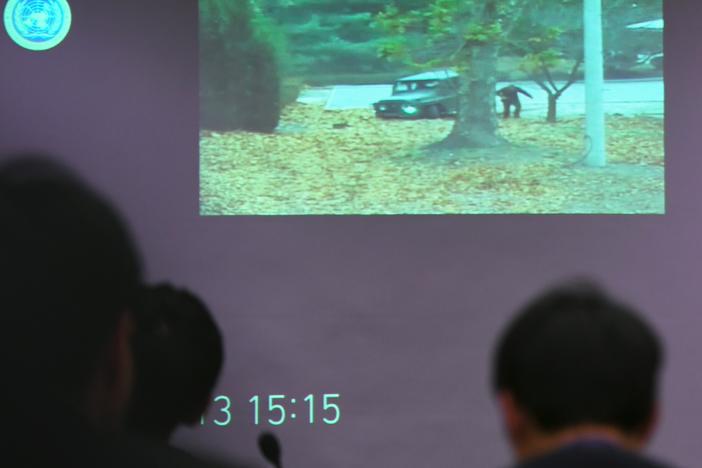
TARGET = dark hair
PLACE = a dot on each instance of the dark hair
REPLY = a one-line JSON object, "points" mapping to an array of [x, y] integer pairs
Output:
{"points": [[574, 355], [68, 269], [178, 355]]}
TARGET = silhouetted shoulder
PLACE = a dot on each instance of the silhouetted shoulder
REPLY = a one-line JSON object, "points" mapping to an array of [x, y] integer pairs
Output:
{"points": [[141, 453]]}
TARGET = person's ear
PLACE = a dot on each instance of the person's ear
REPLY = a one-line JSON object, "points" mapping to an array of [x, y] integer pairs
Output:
{"points": [[514, 418], [122, 362], [651, 425], [114, 378]]}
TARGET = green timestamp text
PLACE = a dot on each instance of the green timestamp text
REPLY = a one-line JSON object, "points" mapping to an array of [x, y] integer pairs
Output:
{"points": [[279, 409]]}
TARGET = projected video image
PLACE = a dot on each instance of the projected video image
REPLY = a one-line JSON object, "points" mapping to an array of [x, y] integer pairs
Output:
{"points": [[315, 107]]}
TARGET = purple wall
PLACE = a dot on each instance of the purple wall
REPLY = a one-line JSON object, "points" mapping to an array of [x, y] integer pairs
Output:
{"points": [[398, 314]]}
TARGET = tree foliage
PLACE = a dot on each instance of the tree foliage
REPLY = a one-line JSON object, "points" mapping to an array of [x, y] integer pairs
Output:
{"points": [[548, 38], [249, 47], [240, 52], [330, 37], [462, 34], [547, 35]]}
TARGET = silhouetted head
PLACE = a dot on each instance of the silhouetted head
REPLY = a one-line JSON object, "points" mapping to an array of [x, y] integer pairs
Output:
{"points": [[68, 271], [178, 355], [576, 363]]}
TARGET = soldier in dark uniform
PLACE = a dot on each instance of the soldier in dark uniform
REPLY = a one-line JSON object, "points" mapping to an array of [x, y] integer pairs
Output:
{"points": [[510, 97]]}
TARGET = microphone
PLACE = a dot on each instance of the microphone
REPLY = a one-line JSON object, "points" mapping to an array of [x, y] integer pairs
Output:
{"points": [[270, 448]]}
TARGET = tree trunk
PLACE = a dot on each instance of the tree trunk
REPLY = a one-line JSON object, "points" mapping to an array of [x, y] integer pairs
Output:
{"points": [[552, 100], [476, 122]]}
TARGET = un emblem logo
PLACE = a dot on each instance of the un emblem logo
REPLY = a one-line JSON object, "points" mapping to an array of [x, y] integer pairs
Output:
{"points": [[37, 24]]}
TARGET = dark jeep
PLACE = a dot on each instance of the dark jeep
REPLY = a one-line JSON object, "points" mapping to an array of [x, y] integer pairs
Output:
{"points": [[426, 95]]}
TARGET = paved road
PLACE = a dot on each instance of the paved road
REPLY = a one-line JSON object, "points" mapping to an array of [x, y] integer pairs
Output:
{"points": [[626, 97]]}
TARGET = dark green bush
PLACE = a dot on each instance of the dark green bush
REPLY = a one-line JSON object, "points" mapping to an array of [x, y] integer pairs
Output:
{"points": [[239, 76]]}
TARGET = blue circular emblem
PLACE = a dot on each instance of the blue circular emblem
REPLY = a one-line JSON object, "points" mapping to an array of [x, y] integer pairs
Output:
{"points": [[37, 24]]}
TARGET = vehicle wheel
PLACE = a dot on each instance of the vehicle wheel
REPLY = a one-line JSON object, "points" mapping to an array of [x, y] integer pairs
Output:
{"points": [[432, 112]]}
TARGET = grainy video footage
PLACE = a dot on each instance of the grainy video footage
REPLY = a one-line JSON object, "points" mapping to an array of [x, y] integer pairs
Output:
{"points": [[321, 107]]}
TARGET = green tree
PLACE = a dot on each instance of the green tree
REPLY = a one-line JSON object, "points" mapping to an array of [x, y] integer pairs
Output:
{"points": [[239, 67], [469, 35], [329, 37], [465, 35], [548, 38]]}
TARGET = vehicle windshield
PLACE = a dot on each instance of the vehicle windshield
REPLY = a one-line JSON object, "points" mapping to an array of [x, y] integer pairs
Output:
{"points": [[409, 86]]}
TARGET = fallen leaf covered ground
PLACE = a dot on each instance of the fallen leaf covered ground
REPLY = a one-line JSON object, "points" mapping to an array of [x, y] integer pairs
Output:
{"points": [[350, 162]]}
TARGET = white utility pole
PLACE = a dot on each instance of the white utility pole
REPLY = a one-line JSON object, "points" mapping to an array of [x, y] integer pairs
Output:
{"points": [[594, 84]]}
